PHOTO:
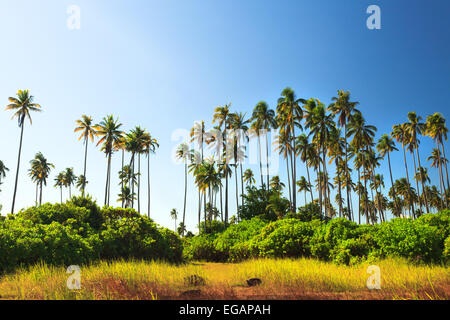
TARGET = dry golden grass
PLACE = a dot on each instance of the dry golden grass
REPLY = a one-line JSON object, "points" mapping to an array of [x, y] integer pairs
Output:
{"points": [[281, 279]]}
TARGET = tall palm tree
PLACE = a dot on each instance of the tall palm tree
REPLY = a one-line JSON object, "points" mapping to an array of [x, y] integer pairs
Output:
{"points": [[436, 162], [222, 117], [3, 170], [150, 144], [385, 146], [174, 216], [343, 108], [240, 128], [108, 131], [197, 135], [22, 105], [265, 119], [40, 169], [184, 154], [59, 182], [88, 131], [306, 151], [69, 180], [126, 196], [415, 128], [401, 135], [336, 147], [289, 115], [303, 186]]}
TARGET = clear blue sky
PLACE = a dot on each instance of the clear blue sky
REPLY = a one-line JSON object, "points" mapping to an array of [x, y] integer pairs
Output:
{"points": [[165, 64]]}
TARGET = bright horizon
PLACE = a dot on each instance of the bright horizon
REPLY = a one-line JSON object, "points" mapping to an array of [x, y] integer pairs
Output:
{"points": [[163, 66]]}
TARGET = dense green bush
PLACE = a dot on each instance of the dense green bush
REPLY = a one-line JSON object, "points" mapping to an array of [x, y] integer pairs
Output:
{"points": [[80, 232]]}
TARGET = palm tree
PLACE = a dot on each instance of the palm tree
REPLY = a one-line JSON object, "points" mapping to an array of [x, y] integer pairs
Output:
{"points": [[415, 128], [385, 146], [150, 144], [321, 126], [276, 184], [335, 152], [221, 116], [307, 153], [108, 130], [184, 154], [249, 177], [174, 216], [401, 135], [436, 162], [436, 129], [264, 119], [3, 170], [40, 169], [303, 185], [240, 128], [81, 183], [69, 180], [59, 182], [126, 196], [289, 115], [22, 105], [343, 108], [87, 132]]}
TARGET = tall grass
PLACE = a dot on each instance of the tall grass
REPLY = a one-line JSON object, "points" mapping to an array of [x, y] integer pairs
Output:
{"points": [[281, 279]]}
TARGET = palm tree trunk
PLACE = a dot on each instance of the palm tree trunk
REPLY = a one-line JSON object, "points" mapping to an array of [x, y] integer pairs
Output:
{"points": [[237, 188], [309, 181], [85, 161], [37, 192], [293, 205], [185, 194], [407, 177], [226, 193], [325, 180], [106, 185], [445, 163], [148, 185], [40, 194], [339, 187], [441, 174], [421, 180], [289, 180], [139, 183], [294, 174], [242, 186], [417, 186], [221, 202], [319, 179], [121, 180], [359, 196], [60, 189], [346, 171], [267, 159], [18, 166], [260, 160], [392, 180]]}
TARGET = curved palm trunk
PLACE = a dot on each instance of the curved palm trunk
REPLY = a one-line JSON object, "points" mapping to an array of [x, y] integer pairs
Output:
{"points": [[289, 180], [18, 166], [309, 181], [139, 184], [106, 185], [445, 163], [392, 180]]}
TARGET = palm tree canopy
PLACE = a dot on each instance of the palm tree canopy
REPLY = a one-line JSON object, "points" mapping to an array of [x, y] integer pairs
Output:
{"points": [[85, 126], [22, 105]]}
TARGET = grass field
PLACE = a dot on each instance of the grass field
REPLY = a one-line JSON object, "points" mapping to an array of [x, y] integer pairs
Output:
{"points": [[281, 279]]}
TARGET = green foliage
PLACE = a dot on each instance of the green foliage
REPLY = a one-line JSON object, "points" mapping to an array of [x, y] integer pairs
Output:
{"points": [[268, 205], [212, 227], [79, 232]]}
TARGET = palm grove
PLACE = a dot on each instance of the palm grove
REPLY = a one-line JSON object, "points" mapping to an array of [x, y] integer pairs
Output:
{"points": [[334, 143]]}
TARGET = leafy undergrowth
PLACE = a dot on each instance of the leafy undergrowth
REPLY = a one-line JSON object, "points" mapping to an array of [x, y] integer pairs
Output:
{"points": [[281, 279]]}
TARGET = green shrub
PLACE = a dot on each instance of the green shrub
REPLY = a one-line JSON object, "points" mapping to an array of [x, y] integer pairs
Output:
{"points": [[202, 248], [446, 254]]}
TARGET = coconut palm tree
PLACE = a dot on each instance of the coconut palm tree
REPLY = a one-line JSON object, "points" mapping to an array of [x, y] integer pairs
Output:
{"points": [[126, 196], [108, 131], [437, 160], [222, 117], [289, 115], [240, 128], [249, 177], [184, 154], [264, 119], [386, 146], [303, 186], [88, 131], [276, 184], [401, 135], [3, 170], [69, 180], [335, 150], [416, 128], [40, 169], [59, 182], [307, 153], [22, 105], [198, 135], [174, 216], [343, 108], [81, 183]]}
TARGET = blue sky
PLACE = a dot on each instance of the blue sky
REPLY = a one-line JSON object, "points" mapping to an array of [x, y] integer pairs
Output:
{"points": [[165, 64]]}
